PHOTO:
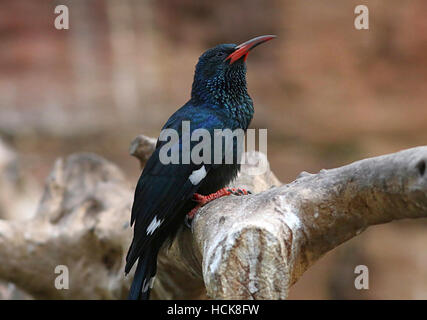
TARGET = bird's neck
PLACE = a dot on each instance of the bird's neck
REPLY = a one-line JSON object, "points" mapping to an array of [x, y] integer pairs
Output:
{"points": [[230, 94]]}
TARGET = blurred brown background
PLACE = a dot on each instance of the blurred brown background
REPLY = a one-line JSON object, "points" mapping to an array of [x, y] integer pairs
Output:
{"points": [[329, 94]]}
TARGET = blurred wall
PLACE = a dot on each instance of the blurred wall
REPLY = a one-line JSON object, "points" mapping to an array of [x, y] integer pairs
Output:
{"points": [[328, 94]]}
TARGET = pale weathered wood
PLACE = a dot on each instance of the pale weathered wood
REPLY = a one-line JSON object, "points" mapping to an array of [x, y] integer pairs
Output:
{"points": [[249, 247]]}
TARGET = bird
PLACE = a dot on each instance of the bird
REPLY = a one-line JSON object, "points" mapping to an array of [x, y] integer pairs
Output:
{"points": [[169, 193]]}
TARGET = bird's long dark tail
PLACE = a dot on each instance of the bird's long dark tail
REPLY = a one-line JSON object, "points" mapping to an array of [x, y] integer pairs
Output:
{"points": [[144, 276]]}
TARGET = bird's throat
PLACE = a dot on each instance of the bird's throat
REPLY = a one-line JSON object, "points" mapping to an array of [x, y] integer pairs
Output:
{"points": [[227, 90]]}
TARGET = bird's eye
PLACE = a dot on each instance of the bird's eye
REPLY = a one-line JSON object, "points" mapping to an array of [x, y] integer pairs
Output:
{"points": [[220, 54]]}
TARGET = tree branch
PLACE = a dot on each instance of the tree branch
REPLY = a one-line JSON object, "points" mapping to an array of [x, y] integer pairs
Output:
{"points": [[258, 246], [251, 247]]}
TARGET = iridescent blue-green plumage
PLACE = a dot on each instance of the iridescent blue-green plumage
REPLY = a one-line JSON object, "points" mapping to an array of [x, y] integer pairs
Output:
{"points": [[219, 100]]}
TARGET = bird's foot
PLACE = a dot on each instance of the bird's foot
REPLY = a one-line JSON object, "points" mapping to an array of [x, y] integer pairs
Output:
{"points": [[202, 200]]}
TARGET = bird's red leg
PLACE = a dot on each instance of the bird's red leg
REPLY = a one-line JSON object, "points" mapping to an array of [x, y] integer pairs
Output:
{"points": [[202, 200]]}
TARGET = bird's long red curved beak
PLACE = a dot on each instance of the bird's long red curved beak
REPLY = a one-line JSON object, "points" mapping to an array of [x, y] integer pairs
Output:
{"points": [[242, 50]]}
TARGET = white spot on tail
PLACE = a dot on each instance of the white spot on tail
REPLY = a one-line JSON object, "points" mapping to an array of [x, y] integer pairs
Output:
{"points": [[198, 175], [153, 225], [148, 285]]}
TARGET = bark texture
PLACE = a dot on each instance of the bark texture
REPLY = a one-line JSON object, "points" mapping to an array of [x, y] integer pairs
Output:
{"points": [[249, 247]]}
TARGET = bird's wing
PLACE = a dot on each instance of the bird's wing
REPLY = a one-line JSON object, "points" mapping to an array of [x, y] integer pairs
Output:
{"points": [[163, 189]]}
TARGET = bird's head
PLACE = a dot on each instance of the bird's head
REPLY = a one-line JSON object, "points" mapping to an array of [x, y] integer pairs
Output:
{"points": [[220, 75]]}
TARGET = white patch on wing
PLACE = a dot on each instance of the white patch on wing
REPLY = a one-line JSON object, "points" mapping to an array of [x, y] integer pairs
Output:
{"points": [[153, 225], [198, 175]]}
